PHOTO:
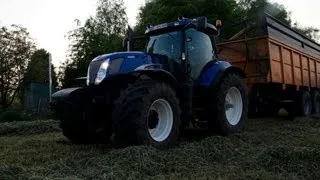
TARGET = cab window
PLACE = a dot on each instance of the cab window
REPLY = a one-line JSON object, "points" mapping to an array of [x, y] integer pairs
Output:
{"points": [[199, 51]]}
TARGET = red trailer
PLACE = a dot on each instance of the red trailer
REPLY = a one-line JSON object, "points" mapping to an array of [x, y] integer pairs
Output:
{"points": [[282, 66]]}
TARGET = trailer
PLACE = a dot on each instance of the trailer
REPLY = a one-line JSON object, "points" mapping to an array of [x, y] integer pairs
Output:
{"points": [[282, 66]]}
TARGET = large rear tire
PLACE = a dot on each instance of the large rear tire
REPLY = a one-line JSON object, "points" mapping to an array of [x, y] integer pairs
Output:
{"points": [[230, 106], [147, 113]]}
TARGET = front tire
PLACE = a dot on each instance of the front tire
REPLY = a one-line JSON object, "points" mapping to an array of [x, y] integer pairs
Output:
{"points": [[147, 113], [77, 134], [230, 108], [77, 122]]}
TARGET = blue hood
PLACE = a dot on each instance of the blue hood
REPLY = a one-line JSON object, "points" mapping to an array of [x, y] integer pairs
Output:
{"points": [[130, 61]]}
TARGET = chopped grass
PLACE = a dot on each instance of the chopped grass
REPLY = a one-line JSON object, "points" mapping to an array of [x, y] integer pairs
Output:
{"points": [[28, 127], [268, 149]]}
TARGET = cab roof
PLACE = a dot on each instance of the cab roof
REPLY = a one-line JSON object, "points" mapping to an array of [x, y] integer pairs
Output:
{"points": [[179, 25]]}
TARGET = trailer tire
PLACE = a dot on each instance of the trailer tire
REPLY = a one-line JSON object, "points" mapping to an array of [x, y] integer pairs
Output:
{"points": [[148, 113], [316, 103], [228, 121], [304, 105]]}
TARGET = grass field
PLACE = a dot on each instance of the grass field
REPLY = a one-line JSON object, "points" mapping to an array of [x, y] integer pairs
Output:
{"points": [[268, 149]]}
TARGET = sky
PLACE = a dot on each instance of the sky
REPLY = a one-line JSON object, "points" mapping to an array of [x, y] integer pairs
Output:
{"points": [[49, 21]]}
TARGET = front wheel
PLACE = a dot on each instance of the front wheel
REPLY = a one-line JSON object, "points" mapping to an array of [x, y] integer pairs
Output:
{"points": [[230, 109]]}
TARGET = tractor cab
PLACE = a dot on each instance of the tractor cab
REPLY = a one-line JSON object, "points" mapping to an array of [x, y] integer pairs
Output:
{"points": [[187, 41]]}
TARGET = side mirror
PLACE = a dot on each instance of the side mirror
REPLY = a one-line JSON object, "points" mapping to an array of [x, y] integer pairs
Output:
{"points": [[201, 23]]}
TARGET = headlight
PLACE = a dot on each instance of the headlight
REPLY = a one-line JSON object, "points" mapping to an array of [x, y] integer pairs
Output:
{"points": [[102, 72]]}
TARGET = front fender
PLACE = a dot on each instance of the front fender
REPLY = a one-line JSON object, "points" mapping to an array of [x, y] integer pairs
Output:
{"points": [[160, 75], [152, 72]]}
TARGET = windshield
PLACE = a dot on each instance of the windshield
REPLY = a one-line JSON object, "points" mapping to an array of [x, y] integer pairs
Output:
{"points": [[166, 44]]}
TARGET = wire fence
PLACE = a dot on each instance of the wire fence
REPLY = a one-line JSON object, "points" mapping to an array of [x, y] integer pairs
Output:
{"points": [[36, 99]]}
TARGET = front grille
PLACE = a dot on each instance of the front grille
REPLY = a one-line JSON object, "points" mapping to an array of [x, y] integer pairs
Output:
{"points": [[93, 70]]}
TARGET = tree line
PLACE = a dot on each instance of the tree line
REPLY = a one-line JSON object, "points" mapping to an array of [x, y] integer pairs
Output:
{"points": [[21, 63]]}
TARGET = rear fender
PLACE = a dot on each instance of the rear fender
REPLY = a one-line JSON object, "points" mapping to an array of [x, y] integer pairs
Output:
{"points": [[213, 72]]}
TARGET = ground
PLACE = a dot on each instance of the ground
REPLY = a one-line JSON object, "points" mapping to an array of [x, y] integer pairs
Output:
{"points": [[267, 149]]}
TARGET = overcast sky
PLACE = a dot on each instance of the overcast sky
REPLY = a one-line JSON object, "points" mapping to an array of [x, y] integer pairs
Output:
{"points": [[49, 21]]}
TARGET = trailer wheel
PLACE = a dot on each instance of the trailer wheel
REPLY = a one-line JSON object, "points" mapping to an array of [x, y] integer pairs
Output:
{"points": [[230, 107], [147, 113], [304, 104], [316, 103]]}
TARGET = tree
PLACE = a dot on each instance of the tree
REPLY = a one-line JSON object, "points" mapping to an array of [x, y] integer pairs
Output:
{"points": [[309, 31], [100, 34], [38, 70], [253, 8], [160, 11], [16, 48], [229, 11]]}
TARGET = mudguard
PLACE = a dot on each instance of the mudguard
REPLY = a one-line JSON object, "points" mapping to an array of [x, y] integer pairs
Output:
{"points": [[65, 93]]}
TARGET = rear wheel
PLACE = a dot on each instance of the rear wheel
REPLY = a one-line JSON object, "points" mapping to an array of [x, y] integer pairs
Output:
{"points": [[230, 106], [147, 113]]}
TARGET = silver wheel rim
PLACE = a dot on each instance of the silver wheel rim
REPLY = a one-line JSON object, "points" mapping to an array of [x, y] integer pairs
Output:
{"points": [[233, 106], [160, 120]]}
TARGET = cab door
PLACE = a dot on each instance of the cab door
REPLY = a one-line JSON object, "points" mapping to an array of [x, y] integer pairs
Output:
{"points": [[199, 51]]}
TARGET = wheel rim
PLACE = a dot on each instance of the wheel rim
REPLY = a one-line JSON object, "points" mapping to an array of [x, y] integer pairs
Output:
{"points": [[160, 120], [233, 106]]}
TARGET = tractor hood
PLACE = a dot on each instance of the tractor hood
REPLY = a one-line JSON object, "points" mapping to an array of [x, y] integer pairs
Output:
{"points": [[112, 64]]}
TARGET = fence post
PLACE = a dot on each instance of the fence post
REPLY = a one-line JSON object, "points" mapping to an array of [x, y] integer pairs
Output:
{"points": [[50, 77]]}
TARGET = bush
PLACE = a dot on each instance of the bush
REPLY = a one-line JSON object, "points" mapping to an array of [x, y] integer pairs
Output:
{"points": [[12, 115]]}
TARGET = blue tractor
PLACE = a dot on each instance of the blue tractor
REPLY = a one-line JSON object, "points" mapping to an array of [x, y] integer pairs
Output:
{"points": [[150, 97]]}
